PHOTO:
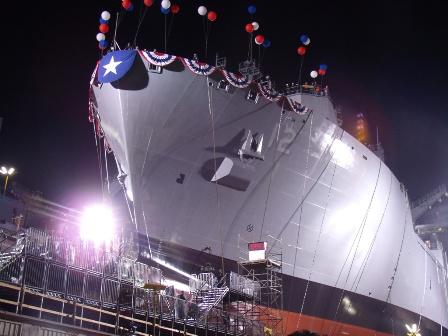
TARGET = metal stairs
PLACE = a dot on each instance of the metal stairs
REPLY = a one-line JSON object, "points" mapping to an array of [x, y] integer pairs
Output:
{"points": [[12, 252], [209, 298], [208, 292]]}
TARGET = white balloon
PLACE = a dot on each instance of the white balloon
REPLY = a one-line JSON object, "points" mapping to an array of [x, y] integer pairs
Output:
{"points": [[166, 4], [255, 25], [313, 74], [307, 41], [202, 10], [100, 37], [105, 15]]}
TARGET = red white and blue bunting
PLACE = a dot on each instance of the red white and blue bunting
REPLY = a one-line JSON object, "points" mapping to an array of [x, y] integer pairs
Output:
{"points": [[297, 107], [237, 81], [268, 93], [158, 58], [199, 68], [93, 77]]}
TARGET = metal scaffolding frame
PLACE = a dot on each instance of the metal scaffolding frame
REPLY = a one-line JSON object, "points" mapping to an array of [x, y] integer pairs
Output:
{"points": [[258, 291], [72, 283]]}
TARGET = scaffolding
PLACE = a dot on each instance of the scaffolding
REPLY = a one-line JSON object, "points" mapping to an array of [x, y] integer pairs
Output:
{"points": [[257, 291], [70, 283]]}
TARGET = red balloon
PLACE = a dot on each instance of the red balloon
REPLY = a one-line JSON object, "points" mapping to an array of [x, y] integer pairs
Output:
{"points": [[104, 28], [322, 72], [249, 28], [175, 8], [301, 50], [126, 4], [259, 39], [212, 16], [148, 3]]}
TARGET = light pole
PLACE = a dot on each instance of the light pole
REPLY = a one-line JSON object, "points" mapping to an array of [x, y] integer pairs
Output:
{"points": [[8, 172]]}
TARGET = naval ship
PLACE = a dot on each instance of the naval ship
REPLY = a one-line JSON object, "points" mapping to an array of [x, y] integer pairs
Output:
{"points": [[211, 161]]}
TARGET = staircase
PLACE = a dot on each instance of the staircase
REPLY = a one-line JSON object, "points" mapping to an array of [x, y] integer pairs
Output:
{"points": [[209, 298], [208, 292], [12, 252]]}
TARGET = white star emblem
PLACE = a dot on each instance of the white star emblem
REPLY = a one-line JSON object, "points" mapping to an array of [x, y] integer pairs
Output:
{"points": [[111, 67]]}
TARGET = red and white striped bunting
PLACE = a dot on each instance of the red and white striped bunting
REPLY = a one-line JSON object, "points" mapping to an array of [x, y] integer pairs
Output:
{"points": [[298, 107], [268, 93], [158, 58], [92, 78], [237, 81], [199, 68]]}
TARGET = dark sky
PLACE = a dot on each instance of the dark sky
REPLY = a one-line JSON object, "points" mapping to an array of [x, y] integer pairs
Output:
{"points": [[386, 59]]}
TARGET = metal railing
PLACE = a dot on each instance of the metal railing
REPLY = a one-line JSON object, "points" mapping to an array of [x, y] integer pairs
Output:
{"points": [[77, 284], [8, 328], [202, 281], [440, 190], [244, 285]]}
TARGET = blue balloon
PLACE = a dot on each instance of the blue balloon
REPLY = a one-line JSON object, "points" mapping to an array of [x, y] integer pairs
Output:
{"points": [[323, 67], [251, 9], [304, 38], [165, 10], [102, 21], [103, 44], [131, 8], [266, 43]]}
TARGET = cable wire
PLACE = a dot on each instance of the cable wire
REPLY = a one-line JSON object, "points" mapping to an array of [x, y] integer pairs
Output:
{"points": [[212, 120], [364, 263], [303, 194], [270, 175], [317, 245], [98, 153], [358, 241]]}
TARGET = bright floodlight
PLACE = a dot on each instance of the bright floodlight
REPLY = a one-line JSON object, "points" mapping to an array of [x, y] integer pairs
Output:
{"points": [[7, 171], [97, 225]]}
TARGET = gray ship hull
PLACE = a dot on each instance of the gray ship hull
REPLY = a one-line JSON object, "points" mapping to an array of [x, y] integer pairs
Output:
{"points": [[336, 212]]}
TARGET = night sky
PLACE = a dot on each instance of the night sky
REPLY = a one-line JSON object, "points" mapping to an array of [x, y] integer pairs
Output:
{"points": [[386, 59]]}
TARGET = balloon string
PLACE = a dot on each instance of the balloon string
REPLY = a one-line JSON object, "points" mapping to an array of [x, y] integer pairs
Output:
{"points": [[118, 21], [170, 26], [142, 17], [205, 29], [259, 58], [300, 73], [262, 57], [115, 30], [164, 31], [209, 31], [250, 47], [206, 38]]}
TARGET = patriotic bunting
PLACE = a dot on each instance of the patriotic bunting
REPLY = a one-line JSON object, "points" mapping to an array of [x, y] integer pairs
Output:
{"points": [[268, 93], [297, 107], [199, 68], [158, 58], [237, 81], [93, 77]]}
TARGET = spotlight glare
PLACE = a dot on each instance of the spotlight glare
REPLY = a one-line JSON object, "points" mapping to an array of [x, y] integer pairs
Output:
{"points": [[97, 225]]}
